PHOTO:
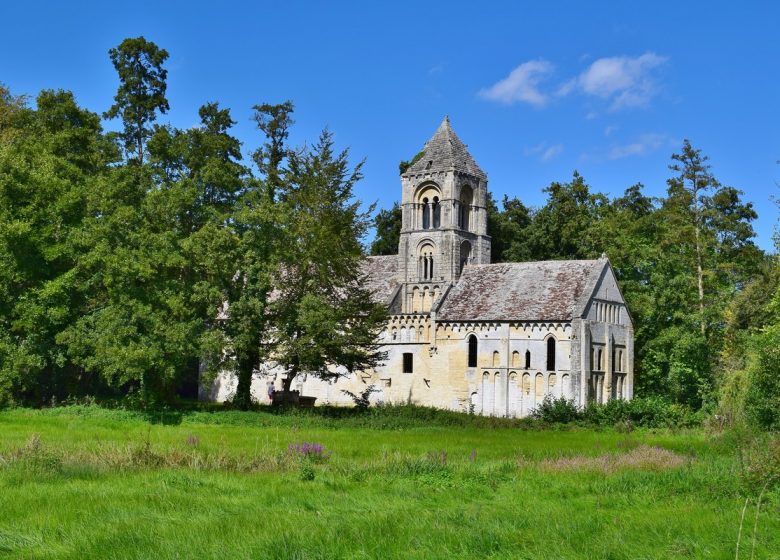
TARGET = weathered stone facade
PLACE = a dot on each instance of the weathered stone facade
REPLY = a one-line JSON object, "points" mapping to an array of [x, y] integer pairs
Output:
{"points": [[468, 335]]}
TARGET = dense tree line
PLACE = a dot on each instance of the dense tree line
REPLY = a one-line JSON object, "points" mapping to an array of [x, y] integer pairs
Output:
{"points": [[704, 298], [130, 261], [134, 262]]}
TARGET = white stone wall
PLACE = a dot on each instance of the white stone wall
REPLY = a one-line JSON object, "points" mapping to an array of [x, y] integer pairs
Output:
{"points": [[498, 386]]}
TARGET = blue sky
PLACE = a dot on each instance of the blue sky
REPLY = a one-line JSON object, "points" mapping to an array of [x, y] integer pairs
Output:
{"points": [[536, 89]]}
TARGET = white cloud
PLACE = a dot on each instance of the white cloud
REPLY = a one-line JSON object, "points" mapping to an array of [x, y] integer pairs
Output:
{"points": [[552, 152], [545, 152], [646, 143], [521, 85], [625, 81]]}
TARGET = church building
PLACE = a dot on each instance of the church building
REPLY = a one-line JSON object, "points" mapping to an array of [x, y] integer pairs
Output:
{"points": [[467, 335]]}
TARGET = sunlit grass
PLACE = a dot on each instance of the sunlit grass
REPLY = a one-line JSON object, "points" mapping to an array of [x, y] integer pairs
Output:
{"points": [[225, 485]]}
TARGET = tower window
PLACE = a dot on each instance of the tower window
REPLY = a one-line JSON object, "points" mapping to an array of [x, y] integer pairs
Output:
{"points": [[464, 206], [551, 354], [436, 213], [408, 362], [472, 351], [425, 271], [527, 359], [426, 214], [465, 254]]}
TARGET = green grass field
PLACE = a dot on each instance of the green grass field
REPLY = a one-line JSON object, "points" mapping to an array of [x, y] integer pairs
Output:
{"points": [[84, 482]]}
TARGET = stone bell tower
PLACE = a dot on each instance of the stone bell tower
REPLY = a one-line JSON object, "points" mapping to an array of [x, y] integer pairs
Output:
{"points": [[444, 225]]}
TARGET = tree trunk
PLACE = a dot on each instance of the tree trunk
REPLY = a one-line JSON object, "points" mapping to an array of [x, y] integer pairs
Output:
{"points": [[700, 279], [287, 383], [699, 268], [246, 367]]}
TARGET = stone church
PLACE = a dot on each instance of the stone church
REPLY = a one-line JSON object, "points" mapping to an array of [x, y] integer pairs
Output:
{"points": [[468, 335]]}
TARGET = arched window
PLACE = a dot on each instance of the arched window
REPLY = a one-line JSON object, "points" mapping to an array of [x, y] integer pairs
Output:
{"points": [[472, 351], [465, 254], [496, 358], [425, 265], [515, 359], [527, 359], [464, 207], [436, 213], [551, 354], [426, 214]]}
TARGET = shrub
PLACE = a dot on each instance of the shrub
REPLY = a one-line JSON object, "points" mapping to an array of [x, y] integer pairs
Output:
{"points": [[306, 472], [555, 411], [362, 400], [762, 397], [647, 412], [761, 462]]}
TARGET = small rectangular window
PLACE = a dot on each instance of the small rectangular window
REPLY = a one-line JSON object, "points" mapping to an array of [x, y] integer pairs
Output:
{"points": [[408, 362]]}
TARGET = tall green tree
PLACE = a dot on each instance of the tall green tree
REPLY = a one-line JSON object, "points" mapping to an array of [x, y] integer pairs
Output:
{"points": [[257, 229], [325, 321], [51, 158], [156, 257], [141, 93], [706, 255], [387, 224], [560, 227], [508, 229]]}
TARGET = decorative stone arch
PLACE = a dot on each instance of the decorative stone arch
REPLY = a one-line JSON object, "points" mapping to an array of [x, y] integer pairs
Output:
{"points": [[566, 386], [465, 202], [513, 396], [426, 189], [426, 250], [496, 358], [539, 386], [515, 359], [427, 199], [526, 384], [487, 394]]}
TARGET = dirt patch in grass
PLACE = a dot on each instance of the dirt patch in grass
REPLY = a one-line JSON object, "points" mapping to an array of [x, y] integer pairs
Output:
{"points": [[641, 458]]}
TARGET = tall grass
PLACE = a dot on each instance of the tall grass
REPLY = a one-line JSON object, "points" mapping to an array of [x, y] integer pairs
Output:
{"points": [[91, 483]]}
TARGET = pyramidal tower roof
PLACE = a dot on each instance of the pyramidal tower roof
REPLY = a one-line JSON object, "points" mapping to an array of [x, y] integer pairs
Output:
{"points": [[445, 152]]}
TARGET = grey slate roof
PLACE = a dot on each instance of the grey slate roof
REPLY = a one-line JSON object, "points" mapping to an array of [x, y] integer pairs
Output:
{"points": [[443, 152], [528, 291], [381, 276]]}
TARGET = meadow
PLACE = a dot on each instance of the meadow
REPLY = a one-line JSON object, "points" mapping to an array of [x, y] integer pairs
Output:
{"points": [[88, 482]]}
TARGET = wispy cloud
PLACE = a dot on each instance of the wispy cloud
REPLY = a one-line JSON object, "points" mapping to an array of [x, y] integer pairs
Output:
{"points": [[436, 69], [521, 85], [544, 151], [624, 81], [645, 144]]}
